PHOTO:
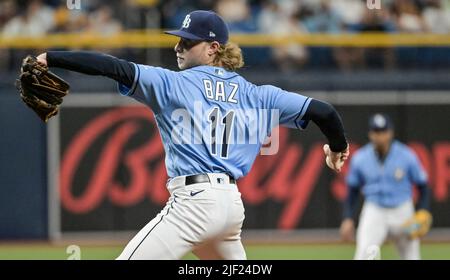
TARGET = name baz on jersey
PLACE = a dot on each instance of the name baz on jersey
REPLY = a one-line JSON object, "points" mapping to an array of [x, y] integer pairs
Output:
{"points": [[233, 269], [216, 91]]}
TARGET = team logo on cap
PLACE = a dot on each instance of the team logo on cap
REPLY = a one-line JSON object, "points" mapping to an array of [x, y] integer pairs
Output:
{"points": [[379, 120], [212, 34], [186, 22]]}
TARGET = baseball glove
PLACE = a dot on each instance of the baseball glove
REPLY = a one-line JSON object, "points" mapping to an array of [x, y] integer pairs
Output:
{"points": [[419, 225], [41, 89]]}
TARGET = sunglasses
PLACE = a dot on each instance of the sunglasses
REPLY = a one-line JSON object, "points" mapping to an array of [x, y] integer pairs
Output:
{"points": [[188, 44]]}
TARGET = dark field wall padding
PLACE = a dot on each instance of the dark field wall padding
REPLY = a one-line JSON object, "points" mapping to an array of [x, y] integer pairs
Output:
{"points": [[23, 167]]}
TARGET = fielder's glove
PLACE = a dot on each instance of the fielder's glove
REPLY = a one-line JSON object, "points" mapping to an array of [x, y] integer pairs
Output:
{"points": [[418, 225], [41, 89]]}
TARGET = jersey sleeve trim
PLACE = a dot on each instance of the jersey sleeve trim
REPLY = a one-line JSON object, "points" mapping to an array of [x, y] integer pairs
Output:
{"points": [[302, 124], [124, 90]]}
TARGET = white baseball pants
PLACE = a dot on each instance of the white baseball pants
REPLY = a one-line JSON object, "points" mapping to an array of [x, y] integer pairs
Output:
{"points": [[377, 223], [205, 218]]}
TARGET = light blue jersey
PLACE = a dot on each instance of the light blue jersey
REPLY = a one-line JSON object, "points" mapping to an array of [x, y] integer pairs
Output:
{"points": [[387, 184], [212, 120]]}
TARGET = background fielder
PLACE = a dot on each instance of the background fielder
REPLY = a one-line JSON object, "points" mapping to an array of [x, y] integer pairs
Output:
{"points": [[385, 171]]}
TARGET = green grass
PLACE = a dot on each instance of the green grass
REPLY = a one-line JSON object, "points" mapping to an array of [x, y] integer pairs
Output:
{"points": [[433, 251]]}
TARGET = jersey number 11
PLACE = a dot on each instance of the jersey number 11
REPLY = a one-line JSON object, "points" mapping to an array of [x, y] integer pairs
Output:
{"points": [[227, 122]]}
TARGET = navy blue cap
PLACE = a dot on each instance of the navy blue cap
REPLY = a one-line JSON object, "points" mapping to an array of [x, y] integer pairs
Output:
{"points": [[380, 122], [203, 26]]}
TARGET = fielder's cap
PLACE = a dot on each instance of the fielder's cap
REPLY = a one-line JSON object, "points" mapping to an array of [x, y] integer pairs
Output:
{"points": [[204, 26], [380, 122]]}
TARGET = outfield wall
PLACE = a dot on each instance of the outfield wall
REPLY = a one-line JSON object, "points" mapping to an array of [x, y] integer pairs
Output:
{"points": [[292, 190]]}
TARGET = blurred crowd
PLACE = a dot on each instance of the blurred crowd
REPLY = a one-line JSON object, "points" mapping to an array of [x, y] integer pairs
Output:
{"points": [[320, 15], [285, 17], [274, 17]]}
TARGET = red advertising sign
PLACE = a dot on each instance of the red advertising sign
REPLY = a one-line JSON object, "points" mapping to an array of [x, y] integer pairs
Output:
{"points": [[112, 173]]}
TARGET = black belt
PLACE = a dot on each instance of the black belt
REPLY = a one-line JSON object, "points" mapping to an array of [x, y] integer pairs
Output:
{"points": [[203, 178]]}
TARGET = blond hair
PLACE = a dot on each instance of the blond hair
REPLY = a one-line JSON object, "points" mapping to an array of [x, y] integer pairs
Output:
{"points": [[229, 56]]}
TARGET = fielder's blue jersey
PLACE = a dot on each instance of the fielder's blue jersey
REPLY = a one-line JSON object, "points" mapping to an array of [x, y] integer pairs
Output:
{"points": [[211, 120], [388, 183]]}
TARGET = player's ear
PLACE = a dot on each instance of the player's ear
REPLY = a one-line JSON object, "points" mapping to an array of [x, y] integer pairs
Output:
{"points": [[213, 48]]}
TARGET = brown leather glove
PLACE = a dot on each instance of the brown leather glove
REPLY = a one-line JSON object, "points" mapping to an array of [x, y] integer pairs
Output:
{"points": [[41, 89]]}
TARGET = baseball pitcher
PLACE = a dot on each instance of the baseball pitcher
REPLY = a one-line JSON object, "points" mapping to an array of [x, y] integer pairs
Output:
{"points": [[212, 124], [385, 171]]}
